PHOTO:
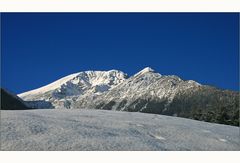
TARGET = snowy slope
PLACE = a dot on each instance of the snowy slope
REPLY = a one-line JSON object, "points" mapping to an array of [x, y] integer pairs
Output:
{"points": [[50, 87], [54, 129], [79, 84]]}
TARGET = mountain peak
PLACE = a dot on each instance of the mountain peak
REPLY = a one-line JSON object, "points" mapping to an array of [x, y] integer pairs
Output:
{"points": [[145, 70]]}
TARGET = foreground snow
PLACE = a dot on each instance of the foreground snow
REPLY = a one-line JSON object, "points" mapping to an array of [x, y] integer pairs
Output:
{"points": [[58, 129]]}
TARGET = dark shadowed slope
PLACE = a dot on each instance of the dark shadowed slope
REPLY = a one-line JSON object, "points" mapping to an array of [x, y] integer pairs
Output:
{"points": [[10, 101]]}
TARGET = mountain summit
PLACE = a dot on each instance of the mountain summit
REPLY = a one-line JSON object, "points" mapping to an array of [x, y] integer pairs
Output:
{"points": [[146, 91], [146, 70]]}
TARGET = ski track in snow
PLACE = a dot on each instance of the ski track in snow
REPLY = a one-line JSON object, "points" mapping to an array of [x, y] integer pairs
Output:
{"points": [[110, 130]]}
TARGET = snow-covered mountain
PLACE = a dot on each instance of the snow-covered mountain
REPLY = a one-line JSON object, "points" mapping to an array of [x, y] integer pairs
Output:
{"points": [[146, 91], [69, 88], [145, 85], [79, 90]]}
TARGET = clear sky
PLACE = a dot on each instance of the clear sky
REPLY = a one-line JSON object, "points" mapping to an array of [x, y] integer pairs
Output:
{"points": [[37, 49]]}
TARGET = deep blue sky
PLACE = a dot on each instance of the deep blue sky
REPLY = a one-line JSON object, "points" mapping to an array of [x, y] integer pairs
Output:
{"points": [[40, 48]]}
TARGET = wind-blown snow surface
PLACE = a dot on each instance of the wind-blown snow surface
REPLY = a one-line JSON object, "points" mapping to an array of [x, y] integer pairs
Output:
{"points": [[58, 129]]}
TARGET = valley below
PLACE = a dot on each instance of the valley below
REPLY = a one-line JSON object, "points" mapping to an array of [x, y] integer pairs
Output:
{"points": [[104, 130]]}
